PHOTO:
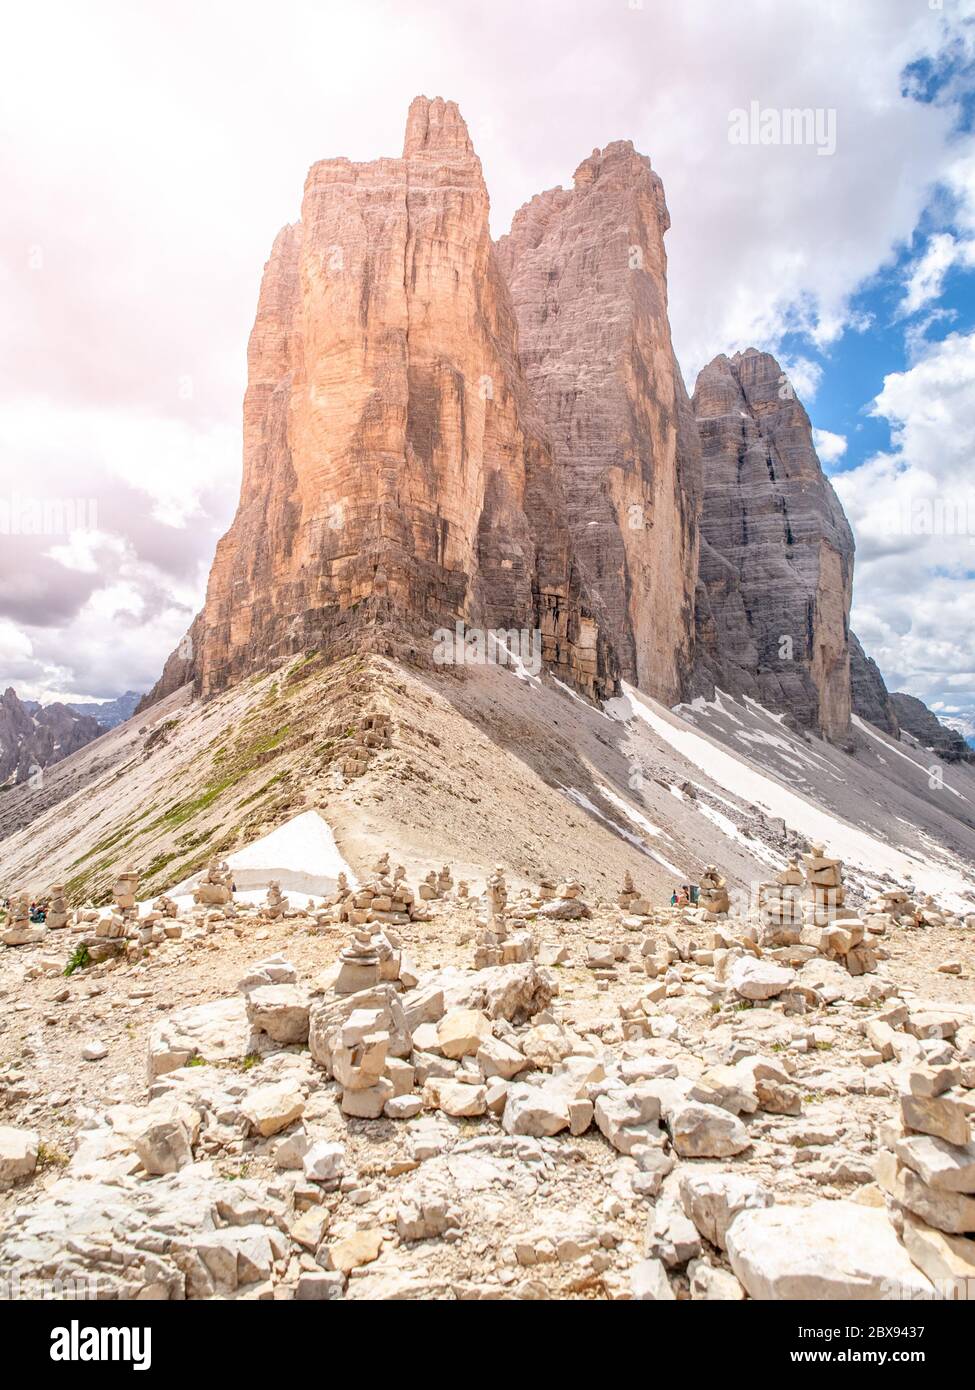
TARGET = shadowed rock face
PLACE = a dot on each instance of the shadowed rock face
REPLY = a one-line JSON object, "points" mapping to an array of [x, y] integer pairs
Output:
{"points": [[871, 698], [394, 481], [914, 716], [587, 271], [776, 563]]}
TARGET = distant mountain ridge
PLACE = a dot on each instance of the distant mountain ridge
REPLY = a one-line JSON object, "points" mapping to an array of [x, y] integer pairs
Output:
{"points": [[108, 712]]}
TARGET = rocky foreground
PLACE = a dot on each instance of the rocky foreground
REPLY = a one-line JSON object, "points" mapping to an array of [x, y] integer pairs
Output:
{"points": [[427, 1094]]}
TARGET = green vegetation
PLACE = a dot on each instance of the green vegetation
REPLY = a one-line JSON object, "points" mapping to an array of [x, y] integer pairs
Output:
{"points": [[78, 960]]}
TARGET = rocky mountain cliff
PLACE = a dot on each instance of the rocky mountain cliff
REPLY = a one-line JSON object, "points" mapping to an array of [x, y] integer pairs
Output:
{"points": [[438, 429], [35, 736], [915, 717], [871, 698], [776, 560], [587, 271], [394, 477]]}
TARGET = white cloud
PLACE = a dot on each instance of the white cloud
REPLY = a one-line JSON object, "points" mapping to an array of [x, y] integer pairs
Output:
{"points": [[913, 513], [926, 276], [829, 446]]}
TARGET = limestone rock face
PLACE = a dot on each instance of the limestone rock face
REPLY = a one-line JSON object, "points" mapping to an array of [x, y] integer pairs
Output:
{"points": [[587, 269], [914, 716], [871, 699], [394, 480], [776, 563]]}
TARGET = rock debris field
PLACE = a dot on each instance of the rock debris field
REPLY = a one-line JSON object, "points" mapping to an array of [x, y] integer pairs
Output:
{"points": [[435, 1092]]}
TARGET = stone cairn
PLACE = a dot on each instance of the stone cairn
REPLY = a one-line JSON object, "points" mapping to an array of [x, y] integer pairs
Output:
{"points": [[927, 1171], [387, 897], [20, 930], [126, 892], [369, 957], [165, 906], [275, 904], [780, 907], [495, 943], [893, 907], [566, 904], [372, 967], [834, 929], [714, 898], [632, 902], [121, 923], [436, 885], [57, 910], [216, 889], [373, 731], [805, 914]]}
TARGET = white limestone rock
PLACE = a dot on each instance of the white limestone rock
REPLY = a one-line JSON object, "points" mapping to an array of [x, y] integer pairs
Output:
{"points": [[828, 1250], [712, 1199]]}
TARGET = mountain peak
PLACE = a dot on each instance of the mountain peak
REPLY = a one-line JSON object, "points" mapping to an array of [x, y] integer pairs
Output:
{"points": [[436, 128]]}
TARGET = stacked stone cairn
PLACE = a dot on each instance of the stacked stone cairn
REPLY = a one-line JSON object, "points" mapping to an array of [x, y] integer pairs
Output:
{"points": [[57, 908], [20, 930], [361, 1054], [927, 1173], [714, 898], [126, 892], [495, 942], [894, 907], [275, 904], [836, 931], [374, 731], [387, 897], [568, 904], [632, 902], [802, 915], [216, 889], [780, 907], [546, 889]]}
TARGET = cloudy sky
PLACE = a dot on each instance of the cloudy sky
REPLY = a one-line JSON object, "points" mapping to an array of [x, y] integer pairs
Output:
{"points": [[149, 153]]}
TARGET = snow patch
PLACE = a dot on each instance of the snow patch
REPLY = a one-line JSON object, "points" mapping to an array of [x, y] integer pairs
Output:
{"points": [[848, 842]]}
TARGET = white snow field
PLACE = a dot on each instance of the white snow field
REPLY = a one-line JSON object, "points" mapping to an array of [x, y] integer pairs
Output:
{"points": [[301, 854], [857, 847]]}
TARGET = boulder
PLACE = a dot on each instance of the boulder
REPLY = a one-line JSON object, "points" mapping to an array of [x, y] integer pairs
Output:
{"points": [[18, 1153], [649, 1283], [705, 1131], [939, 1164], [941, 1257], [216, 1032], [828, 1250], [759, 979], [280, 1011], [269, 1109], [712, 1199], [496, 1057], [462, 1031], [953, 1212]]}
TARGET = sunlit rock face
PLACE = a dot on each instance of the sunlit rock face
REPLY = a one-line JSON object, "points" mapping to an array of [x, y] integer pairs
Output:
{"points": [[394, 479], [587, 271]]}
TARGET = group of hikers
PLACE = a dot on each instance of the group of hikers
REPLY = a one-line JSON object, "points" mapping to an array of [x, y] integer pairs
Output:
{"points": [[38, 911], [684, 896]]}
